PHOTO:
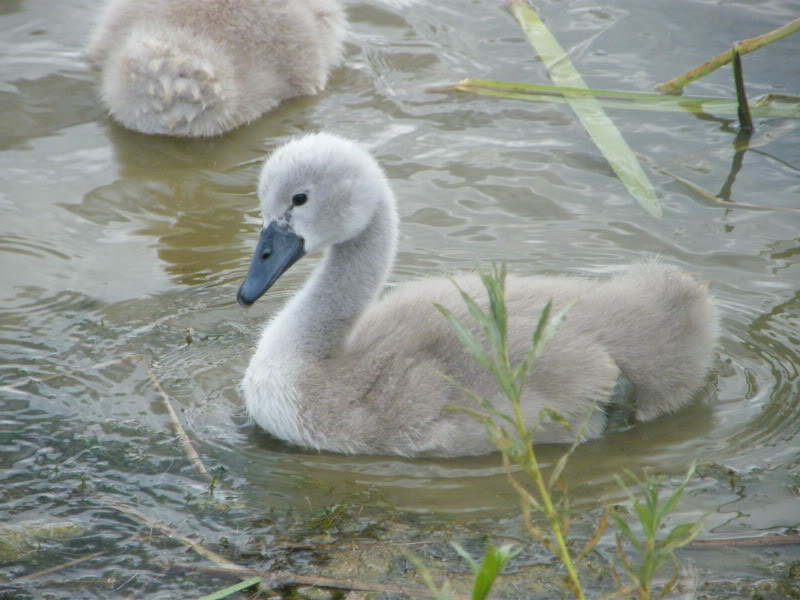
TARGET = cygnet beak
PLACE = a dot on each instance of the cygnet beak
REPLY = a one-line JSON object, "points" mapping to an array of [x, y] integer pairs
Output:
{"points": [[278, 249]]}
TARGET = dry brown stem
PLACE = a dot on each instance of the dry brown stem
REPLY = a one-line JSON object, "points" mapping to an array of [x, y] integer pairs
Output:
{"points": [[170, 531], [183, 437], [789, 539], [44, 572], [275, 579], [713, 198]]}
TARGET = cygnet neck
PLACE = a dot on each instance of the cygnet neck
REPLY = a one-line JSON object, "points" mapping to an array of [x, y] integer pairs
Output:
{"points": [[316, 322]]}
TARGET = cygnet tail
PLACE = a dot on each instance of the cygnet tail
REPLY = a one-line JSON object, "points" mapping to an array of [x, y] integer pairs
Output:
{"points": [[172, 82], [670, 327]]}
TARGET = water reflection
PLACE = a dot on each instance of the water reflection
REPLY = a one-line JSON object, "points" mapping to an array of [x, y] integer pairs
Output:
{"points": [[44, 107], [10, 6]]}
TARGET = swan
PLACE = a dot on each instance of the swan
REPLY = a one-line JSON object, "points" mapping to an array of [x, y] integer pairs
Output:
{"points": [[338, 369], [202, 67]]}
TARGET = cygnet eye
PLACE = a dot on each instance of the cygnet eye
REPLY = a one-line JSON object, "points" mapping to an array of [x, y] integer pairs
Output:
{"points": [[299, 199]]}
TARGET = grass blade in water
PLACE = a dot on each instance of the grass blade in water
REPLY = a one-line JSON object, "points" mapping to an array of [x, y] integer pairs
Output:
{"points": [[787, 106], [591, 114], [229, 591]]}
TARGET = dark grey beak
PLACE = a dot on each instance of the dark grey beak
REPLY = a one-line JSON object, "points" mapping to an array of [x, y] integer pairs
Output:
{"points": [[278, 249]]}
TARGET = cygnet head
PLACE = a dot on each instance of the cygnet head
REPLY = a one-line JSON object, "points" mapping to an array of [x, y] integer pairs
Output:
{"points": [[315, 192]]}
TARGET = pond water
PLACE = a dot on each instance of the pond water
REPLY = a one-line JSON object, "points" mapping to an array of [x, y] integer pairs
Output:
{"points": [[115, 245]]}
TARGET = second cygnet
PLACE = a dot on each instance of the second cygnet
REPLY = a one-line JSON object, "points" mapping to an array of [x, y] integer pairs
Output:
{"points": [[203, 67]]}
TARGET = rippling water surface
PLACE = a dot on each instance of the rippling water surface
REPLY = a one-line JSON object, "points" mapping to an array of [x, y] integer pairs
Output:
{"points": [[114, 244]]}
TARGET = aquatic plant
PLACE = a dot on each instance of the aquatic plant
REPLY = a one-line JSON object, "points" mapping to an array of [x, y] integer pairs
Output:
{"points": [[484, 573], [772, 105], [653, 551], [515, 441], [510, 432], [588, 103]]}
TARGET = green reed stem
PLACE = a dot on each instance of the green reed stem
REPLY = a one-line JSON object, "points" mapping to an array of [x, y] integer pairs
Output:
{"points": [[511, 379], [772, 105], [676, 84]]}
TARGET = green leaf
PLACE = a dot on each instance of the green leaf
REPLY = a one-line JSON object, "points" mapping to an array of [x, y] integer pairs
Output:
{"points": [[542, 325], [496, 321], [671, 502], [681, 535], [646, 576], [495, 332], [625, 529], [624, 487], [546, 328], [645, 518], [468, 340], [473, 564], [675, 497], [494, 559], [651, 493], [480, 400], [556, 417], [559, 468], [676, 573], [495, 287], [475, 311], [229, 591], [562, 462], [590, 113], [443, 593]]}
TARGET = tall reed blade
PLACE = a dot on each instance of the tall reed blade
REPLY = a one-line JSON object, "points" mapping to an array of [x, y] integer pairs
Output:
{"points": [[600, 128]]}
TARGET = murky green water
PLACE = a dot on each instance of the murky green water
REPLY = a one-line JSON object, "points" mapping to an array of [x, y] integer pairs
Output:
{"points": [[114, 244]]}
